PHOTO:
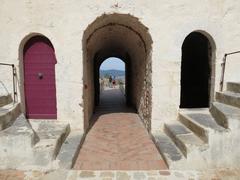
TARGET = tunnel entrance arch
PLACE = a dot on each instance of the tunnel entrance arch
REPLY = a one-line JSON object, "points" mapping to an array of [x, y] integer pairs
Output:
{"points": [[124, 37], [197, 71], [97, 64]]}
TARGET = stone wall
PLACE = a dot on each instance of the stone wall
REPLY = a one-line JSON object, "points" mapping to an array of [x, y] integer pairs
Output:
{"points": [[169, 22], [145, 107]]}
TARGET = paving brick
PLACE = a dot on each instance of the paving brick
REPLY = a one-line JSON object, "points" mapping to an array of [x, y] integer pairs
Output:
{"points": [[107, 174], [87, 174], [122, 176], [118, 141], [164, 173], [139, 175], [11, 175]]}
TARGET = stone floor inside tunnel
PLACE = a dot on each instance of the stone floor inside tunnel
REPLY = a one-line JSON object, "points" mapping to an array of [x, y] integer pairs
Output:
{"points": [[118, 139]]}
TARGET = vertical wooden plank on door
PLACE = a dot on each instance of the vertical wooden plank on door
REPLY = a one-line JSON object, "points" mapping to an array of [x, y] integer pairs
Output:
{"points": [[39, 79]]}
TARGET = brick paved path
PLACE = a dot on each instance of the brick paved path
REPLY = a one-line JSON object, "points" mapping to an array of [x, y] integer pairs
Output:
{"points": [[118, 139], [11, 175]]}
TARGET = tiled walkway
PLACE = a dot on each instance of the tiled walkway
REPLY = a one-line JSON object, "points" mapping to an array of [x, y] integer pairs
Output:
{"points": [[118, 139]]}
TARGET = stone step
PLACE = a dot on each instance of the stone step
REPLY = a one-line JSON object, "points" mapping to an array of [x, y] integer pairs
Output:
{"points": [[233, 87], [226, 115], [171, 154], [70, 148], [200, 122], [5, 99], [51, 137], [8, 114], [16, 143], [229, 98], [185, 139]]}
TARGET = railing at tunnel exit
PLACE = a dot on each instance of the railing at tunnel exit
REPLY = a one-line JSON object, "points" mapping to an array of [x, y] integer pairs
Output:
{"points": [[224, 67], [14, 80]]}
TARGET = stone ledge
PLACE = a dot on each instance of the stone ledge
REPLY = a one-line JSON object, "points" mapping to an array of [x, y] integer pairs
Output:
{"points": [[70, 148]]}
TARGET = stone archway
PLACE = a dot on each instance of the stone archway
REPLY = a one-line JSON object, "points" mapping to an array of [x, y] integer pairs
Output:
{"points": [[122, 36]]}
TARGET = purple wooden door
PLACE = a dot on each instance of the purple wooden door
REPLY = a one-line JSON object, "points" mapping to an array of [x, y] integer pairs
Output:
{"points": [[39, 79]]}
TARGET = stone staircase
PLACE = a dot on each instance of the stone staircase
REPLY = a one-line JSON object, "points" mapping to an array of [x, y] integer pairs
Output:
{"points": [[205, 137], [34, 144], [9, 111]]}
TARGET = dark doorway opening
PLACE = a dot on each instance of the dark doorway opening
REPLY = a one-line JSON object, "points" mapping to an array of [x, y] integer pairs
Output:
{"points": [[195, 71]]}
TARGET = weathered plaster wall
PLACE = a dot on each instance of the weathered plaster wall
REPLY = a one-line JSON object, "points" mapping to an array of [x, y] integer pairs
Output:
{"points": [[169, 22]]}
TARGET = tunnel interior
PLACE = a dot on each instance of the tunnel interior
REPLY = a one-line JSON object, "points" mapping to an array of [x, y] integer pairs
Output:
{"points": [[196, 71], [124, 37]]}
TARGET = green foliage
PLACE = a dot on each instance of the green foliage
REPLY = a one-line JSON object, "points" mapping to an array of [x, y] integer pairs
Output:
{"points": [[106, 76]]}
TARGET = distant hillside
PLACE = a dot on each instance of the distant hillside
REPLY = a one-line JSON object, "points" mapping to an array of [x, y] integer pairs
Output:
{"points": [[112, 72]]}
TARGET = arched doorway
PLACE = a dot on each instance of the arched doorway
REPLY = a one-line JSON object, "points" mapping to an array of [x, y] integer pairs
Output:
{"points": [[196, 71], [105, 69], [39, 78], [112, 84], [124, 37]]}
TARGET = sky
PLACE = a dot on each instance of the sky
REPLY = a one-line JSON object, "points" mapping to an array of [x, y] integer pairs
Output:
{"points": [[113, 63]]}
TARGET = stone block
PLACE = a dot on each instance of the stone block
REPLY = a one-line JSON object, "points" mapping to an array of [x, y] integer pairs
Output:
{"points": [[5, 99], [70, 148], [8, 115], [233, 87], [171, 154], [228, 98], [16, 143]]}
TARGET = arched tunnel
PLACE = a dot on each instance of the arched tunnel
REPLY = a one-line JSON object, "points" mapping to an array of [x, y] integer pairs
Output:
{"points": [[124, 37]]}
